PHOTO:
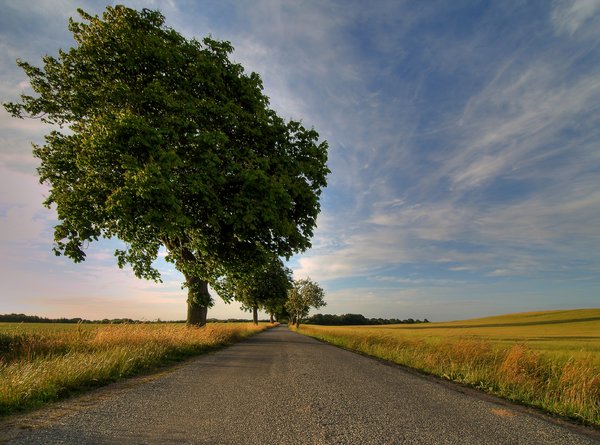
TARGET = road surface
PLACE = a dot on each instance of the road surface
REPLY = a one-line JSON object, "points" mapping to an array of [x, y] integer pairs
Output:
{"points": [[280, 387]]}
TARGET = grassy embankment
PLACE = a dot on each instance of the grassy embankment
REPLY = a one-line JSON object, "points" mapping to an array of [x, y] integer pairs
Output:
{"points": [[40, 363], [549, 360]]}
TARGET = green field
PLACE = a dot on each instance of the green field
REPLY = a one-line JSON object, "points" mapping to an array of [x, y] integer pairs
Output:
{"points": [[43, 362], [549, 360]]}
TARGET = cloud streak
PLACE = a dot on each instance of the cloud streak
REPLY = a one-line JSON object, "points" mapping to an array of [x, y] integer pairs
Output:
{"points": [[463, 148], [510, 187]]}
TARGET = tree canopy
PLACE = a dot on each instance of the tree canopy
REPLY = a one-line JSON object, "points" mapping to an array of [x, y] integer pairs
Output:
{"points": [[264, 287], [304, 294], [163, 141]]}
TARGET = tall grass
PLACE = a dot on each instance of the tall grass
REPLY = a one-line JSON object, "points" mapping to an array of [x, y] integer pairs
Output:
{"points": [[568, 385], [42, 365]]}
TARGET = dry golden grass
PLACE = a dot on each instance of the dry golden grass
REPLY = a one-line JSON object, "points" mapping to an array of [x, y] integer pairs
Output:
{"points": [[44, 363], [550, 360]]}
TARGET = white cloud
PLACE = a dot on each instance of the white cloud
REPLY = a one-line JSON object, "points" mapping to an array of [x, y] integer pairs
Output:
{"points": [[510, 126], [570, 16]]}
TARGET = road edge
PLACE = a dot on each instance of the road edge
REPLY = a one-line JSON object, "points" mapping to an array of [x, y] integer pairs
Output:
{"points": [[588, 430]]}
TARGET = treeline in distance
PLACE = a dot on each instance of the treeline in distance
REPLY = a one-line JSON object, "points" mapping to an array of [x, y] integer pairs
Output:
{"points": [[22, 318], [356, 319]]}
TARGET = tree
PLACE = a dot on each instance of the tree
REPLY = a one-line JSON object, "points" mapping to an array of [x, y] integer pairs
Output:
{"points": [[275, 307], [163, 141], [263, 288], [278, 282], [301, 297]]}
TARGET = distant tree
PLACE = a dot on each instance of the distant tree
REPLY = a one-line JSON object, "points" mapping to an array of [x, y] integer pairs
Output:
{"points": [[265, 287], [276, 309], [163, 141], [356, 319], [304, 294], [279, 281], [319, 319]]}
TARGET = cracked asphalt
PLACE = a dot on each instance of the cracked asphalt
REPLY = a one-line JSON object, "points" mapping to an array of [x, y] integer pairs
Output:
{"points": [[280, 387]]}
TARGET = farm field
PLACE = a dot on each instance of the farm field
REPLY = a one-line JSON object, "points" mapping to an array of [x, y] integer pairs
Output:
{"points": [[549, 360], [21, 328], [566, 333], [42, 362]]}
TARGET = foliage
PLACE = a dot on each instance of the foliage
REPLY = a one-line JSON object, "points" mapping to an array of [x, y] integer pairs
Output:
{"points": [[275, 307], [356, 320], [44, 365], [163, 141], [264, 287], [277, 281], [304, 294]]}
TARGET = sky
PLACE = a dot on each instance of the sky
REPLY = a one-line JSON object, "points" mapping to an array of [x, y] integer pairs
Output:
{"points": [[464, 148]]}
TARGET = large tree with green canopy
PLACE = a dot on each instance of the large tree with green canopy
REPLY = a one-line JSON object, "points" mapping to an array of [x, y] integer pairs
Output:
{"points": [[163, 141]]}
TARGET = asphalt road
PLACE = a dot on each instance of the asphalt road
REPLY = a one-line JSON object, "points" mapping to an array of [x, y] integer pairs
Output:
{"points": [[279, 387]]}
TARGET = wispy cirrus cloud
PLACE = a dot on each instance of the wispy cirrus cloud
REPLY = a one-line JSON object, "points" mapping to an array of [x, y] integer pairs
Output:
{"points": [[501, 183], [463, 144], [574, 17]]}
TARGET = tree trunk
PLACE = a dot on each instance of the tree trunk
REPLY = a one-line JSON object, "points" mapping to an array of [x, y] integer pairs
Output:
{"points": [[197, 295], [271, 320], [198, 299], [255, 315], [196, 314]]}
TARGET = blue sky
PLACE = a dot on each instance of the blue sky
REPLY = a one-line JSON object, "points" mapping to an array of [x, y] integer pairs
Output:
{"points": [[464, 147]]}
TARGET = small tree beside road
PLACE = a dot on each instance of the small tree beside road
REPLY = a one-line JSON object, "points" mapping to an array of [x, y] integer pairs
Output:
{"points": [[305, 294]]}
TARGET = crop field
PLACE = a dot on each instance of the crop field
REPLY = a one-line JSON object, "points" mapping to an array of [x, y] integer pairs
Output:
{"points": [[549, 360], [562, 333], [42, 362]]}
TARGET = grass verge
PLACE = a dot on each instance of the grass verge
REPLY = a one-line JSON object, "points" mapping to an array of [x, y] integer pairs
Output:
{"points": [[564, 382], [45, 363]]}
